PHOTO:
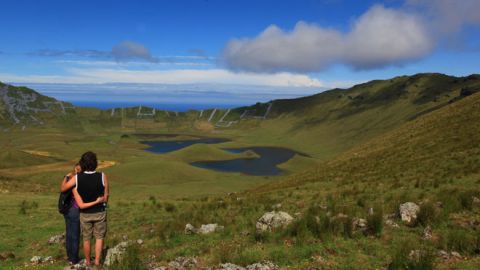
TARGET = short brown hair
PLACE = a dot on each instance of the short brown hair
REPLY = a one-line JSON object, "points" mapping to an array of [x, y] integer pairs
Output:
{"points": [[88, 161]]}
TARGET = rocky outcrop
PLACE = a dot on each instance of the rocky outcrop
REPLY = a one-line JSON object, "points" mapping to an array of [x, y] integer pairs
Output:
{"points": [[409, 212], [359, 224], [427, 233], [204, 229], [79, 266], [40, 259], [265, 265], [182, 263], [116, 253], [56, 239], [229, 266], [271, 221]]}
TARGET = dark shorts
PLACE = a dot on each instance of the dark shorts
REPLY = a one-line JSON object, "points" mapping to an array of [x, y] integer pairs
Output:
{"points": [[93, 224]]}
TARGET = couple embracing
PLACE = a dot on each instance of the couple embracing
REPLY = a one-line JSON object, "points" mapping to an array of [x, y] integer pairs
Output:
{"points": [[85, 209]]}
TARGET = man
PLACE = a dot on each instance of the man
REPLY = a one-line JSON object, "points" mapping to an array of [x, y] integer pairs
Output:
{"points": [[91, 195]]}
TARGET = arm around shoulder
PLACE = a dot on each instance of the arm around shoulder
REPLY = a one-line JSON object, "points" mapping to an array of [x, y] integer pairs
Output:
{"points": [[83, 205], [66, 185]]}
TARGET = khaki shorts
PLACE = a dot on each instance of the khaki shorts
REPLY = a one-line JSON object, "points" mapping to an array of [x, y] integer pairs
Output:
{"points": [[93, 223]]}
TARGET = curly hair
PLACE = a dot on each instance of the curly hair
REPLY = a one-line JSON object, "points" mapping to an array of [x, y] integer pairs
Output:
{"points": [[88, 161]]}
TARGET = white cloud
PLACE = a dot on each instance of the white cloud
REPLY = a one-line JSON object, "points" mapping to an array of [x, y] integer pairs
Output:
{"points": [[380, 37], [448, 16], [177, 76], [383, 37]]}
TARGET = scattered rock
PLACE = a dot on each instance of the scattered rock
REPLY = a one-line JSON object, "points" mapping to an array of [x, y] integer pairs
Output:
{"points": [[7, 255], [48, 259], [125, 237], [181, 263], [140, 241], [36, 260], [456, 255], [189, 229], [204, 229], [229, 266], [408, 212], [265, 265], [116, 253], [427, 233], [79, 266], [56, 239], [359, 224], [444, 255], [210, 228], [273, 220], [391, 223]]}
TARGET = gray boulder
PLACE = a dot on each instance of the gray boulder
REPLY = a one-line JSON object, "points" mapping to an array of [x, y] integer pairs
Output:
{"points": [[36, 260], [116, 253], [189, 229], [273, 220], [427, 233], [204, 229], [265, 265], [79, 266], [409, 212], [56, 239], [182, 263], [359, 224], [229, 266], [210, 228]]}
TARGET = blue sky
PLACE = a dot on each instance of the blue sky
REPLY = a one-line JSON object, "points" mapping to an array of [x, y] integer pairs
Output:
{"points": [[229, 52]]}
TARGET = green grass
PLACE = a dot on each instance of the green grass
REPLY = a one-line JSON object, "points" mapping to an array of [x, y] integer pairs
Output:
{"points": [[372, 146]]}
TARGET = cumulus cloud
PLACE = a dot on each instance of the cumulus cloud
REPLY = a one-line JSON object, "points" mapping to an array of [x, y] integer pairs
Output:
{"points": [[380, 37], [448, 16], [386, 37]]}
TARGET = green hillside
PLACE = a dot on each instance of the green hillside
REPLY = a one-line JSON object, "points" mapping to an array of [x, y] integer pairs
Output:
{"points": [[331, 122], [368, 149]]}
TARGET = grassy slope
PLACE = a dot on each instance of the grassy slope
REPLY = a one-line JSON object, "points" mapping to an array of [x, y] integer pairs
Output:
{"points": [[331, 122], [405, 164], [433, 158]]}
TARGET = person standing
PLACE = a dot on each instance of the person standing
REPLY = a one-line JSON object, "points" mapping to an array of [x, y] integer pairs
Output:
{"points": [[91, 194], [72, 218]]}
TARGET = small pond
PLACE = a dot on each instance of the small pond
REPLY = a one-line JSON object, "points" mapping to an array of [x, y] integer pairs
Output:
{"points": [[162, 147], [264, 165]]}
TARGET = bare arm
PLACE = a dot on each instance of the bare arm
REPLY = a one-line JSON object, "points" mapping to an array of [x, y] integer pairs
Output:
{"points": [[105, 195], [67, 185], [82, 204]]}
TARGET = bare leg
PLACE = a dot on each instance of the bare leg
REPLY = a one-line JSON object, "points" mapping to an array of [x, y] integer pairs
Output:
{"points": [[86, 251], [98, 250]]}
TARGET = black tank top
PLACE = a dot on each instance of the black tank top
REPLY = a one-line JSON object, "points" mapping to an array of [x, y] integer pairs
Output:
{"points": [[90, 186]]}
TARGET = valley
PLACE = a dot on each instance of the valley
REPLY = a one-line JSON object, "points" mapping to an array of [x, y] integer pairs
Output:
{"points": [[331, 160]]}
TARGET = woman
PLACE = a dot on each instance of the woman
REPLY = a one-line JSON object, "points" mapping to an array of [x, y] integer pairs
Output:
{"points": [[72, 218]]}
